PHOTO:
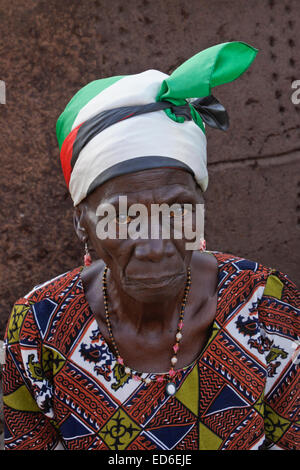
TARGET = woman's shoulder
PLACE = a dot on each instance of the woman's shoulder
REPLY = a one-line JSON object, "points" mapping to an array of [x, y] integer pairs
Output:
{"points": [[52, 288], [273, 278], [47, 292], [275, 295], [244, 280], [229, 262], [232, 270], [40, 301]]}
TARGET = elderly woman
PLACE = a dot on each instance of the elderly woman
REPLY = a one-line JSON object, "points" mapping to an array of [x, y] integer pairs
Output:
{"points": [[151, 345]]}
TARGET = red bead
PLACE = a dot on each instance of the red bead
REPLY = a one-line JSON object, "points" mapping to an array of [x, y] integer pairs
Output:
{"points": [[87, 260]]}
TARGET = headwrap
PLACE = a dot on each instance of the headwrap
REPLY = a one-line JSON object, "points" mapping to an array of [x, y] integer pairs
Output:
{"points": [[122, 124]]}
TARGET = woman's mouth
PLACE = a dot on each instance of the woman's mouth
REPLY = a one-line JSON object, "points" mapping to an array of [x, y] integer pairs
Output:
{"points": [[153, 282]]}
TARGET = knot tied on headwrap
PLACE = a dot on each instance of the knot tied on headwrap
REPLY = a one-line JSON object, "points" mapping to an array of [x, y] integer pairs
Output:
{"points": [[122, 124]]}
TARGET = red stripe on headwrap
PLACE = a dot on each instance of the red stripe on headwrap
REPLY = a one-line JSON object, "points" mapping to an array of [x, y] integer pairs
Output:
{"points": [[67, 152]]}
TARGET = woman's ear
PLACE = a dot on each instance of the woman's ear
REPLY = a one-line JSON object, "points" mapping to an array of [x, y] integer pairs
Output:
{"points": [[78, 221]]}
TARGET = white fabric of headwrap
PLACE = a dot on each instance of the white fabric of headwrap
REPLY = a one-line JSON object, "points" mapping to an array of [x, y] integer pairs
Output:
{"points": [[152, 134]]}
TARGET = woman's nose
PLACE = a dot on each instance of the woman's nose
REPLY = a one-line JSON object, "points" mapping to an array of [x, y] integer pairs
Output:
{"points": [[154, 250]]}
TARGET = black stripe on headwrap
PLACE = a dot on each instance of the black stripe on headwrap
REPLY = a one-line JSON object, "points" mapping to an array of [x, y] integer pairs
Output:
{"points": [[136, 164], [209, 108], [105, 119]]}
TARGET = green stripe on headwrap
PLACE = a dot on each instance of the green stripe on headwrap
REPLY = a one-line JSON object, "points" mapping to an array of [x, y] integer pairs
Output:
{"points": [[83, 96], [196, 77]]}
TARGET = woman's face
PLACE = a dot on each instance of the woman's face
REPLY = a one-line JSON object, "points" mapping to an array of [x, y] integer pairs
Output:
{"points": [[142, 267]]}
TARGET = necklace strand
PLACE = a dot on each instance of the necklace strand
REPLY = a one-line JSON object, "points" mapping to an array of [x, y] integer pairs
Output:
{"points": [[169, 376]]}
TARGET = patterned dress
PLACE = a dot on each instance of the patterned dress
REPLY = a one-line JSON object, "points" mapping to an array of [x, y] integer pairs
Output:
{"points": [[64, 389]]}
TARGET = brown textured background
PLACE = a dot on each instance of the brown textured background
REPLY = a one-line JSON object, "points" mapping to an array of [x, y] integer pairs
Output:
{"points": [[49, 49]]}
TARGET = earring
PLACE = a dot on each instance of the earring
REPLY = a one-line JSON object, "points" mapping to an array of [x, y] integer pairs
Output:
{"points": [[87, 257], [202, 245]]}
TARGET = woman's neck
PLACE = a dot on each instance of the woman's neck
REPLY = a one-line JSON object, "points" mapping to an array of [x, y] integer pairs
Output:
{"points": [[142, 316]]}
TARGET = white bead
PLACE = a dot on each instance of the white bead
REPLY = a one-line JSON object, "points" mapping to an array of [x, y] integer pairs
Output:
{"points": [[171, 388], [178, 336], [147, 380], [127, 370], [174, 360]]}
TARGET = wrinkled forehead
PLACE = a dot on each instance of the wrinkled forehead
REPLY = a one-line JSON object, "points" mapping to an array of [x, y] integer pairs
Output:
{"points": [[161, 184]]}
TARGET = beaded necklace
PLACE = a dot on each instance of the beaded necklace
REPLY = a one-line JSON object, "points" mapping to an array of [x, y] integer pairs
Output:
{"points": [[169, 376]]}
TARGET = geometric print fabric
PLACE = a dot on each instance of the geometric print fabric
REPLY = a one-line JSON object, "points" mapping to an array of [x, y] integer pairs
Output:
{"points": [[63, 383]]}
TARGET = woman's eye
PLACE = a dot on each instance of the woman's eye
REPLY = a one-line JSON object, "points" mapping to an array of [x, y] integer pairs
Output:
{"points": [[123, 219], [178, 212]]}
